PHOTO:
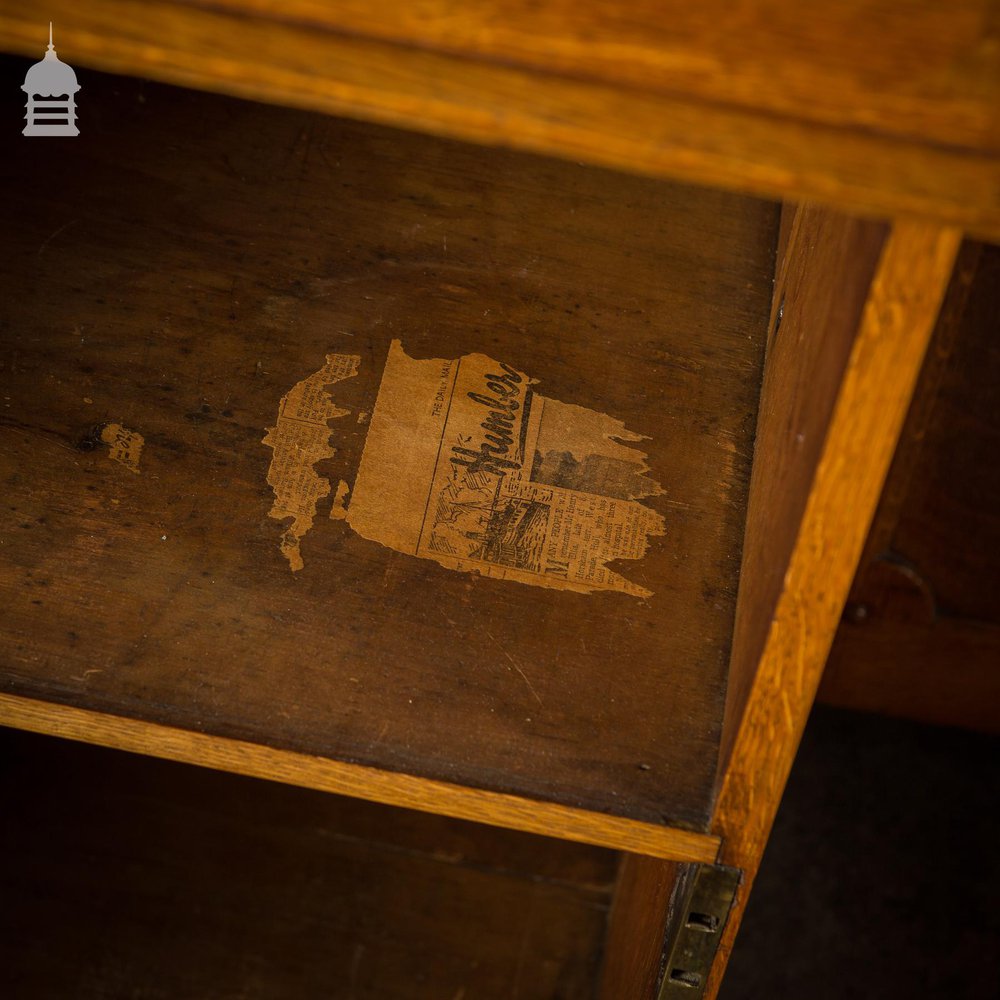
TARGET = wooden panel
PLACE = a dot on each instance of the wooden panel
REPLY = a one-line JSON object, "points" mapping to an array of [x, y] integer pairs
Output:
{"points": [[897, 323], [949, 524], [195, 258], [128, 877], [920, 637], [921, 415], [825, 272], [945, 672], [640, 916], [881, 107]]}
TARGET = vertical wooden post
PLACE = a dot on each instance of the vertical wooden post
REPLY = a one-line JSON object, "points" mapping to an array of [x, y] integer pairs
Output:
{"points": [[637, 928], [885, 359]]}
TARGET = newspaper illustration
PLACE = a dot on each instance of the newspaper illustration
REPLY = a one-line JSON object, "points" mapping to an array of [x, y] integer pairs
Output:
{"points": [[466, 465]]}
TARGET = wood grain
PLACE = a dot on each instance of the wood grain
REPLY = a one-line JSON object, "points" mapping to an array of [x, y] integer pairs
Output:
{"points": [[896, 326], [911, 70], [637, 928], [883, 108], [921, 417], [919, 638], [191, 260], [944, 672], [823, 279], [947, 524], [495, 809], [136, 877]]}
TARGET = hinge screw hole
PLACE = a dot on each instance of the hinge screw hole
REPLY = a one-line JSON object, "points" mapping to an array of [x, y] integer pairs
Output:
{"points": [[707, 922], [684, 978]]}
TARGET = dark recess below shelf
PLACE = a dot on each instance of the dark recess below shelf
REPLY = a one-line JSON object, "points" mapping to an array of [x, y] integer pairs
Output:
{"points": [[123, 876]]}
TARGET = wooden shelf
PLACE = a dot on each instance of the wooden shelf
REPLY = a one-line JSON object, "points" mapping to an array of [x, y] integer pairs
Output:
{"points": [[187, 263], [171, 881], [420, 473]]}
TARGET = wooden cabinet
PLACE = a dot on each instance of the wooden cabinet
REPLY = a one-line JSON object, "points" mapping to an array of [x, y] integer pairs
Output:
{"points": [[516, 495]]}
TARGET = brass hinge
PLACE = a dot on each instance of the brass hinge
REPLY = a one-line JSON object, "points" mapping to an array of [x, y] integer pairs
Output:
{"points": [[701, 910]]}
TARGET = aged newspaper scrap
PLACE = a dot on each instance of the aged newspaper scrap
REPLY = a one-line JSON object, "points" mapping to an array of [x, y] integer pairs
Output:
{"points": [[124, 446], [466, 465], [300, 438]]}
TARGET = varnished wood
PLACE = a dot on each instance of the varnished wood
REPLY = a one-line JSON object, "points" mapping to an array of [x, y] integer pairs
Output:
{"points": [[823, 279], [193, 259], [251, 759], [885, 108], [637, 929], [125, 876], [896, 326]]}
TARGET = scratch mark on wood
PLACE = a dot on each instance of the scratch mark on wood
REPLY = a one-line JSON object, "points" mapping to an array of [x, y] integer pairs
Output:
{"points": [[61, 229]]}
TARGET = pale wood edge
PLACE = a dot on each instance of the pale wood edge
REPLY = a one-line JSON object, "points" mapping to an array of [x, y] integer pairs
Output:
{"points": [[494, 103], [896, 326], [493, 808]]}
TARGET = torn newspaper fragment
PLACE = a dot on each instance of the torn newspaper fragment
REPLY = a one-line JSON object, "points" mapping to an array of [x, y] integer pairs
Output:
{"points": [[124, 446], [466, 465], [301, 438]]}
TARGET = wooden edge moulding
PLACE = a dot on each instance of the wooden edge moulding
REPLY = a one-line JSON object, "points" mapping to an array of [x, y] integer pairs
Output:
{"points": [[457, 75], [496, 809]]}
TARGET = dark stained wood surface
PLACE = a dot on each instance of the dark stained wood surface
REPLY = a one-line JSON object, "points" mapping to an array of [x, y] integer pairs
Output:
{"points": [[884, 107], [945, 672], [921, 636], [184, 263], [123, 876], [949, 525], [640, 917], [823, 278]]}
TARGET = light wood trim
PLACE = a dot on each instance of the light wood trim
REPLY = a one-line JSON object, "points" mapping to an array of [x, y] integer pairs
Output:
{"points": [[493, 808], [885, 361], [482, 95]]}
